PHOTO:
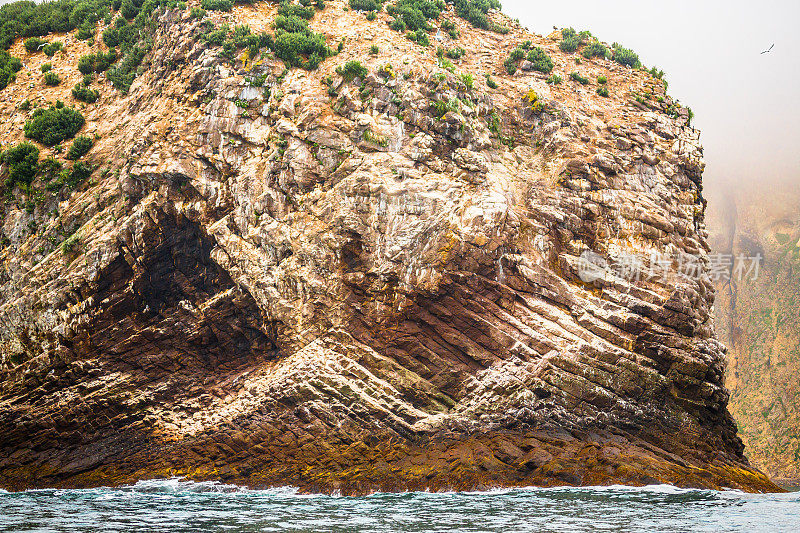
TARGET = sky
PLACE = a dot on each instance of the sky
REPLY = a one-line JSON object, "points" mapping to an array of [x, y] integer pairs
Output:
{"points": [[747, 105]]}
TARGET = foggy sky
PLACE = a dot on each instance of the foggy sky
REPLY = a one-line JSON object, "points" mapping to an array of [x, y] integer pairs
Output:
{"points": [[746, 104]]}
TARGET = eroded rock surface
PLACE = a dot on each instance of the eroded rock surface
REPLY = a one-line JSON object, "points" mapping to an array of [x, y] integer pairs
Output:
{"points": [[349, 291]]}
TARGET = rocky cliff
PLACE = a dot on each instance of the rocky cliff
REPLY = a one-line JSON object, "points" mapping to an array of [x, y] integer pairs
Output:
{"points": [[757, 318], [357, 280]]}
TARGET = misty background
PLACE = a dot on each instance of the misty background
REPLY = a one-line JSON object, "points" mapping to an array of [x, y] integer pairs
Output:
{"points": [[747, 105]]}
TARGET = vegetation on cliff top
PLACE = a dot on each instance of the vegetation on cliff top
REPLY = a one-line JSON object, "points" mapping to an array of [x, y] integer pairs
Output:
{"points": [[294, 42], [414, 16]]}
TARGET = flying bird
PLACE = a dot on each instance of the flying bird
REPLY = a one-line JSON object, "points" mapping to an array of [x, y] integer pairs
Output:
{"points": [[769, 50]]}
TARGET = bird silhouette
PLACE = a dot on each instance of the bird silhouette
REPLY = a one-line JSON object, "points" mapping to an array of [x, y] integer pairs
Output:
{"points": [[768, 50]]}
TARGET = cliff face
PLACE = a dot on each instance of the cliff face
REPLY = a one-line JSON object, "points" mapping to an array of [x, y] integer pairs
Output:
{"points": [[758, 321], [345, 288]]}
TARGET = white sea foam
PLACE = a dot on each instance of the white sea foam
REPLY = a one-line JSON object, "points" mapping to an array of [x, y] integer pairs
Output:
{"points": [[179, 484]]}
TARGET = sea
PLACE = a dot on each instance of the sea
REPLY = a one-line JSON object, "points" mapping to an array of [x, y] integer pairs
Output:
{"points": [[175, 505]]}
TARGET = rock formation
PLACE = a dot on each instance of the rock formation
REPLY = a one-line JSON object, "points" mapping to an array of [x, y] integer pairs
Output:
{"points": [[362, 283]]}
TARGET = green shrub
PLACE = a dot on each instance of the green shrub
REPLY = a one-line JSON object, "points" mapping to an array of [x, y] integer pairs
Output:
{"points": [[352, 70], [374, 50], [305, 50], [602, 80], [371, 16], [291, 24], [49, 168], [51, 79], [541, 61], [29, 19], [441, 107], [415, 14], [25, 105], [72, 244], [46, 67], [571, 39], [22, 162], [569, 44], [456, 53], [34, 44], [580, 79], [450, 28], [80, 147], [365, 5], [594, 49], [121, 75], [468, 80], [293, 10], [9, 66], [446, 64], [555, 79], [79, 172], [537, 56], [84, 94], [53, 125], [216, 5], [197, 13], [475, 12], [420, 37], [602, 91], [656, 73], [490, 82], [50, 49], [627, 57], [293, 42], [86, 64], [86, 31]]}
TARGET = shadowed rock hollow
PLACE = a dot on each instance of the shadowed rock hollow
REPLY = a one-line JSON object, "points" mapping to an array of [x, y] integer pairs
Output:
{"points": [[334, 284]]}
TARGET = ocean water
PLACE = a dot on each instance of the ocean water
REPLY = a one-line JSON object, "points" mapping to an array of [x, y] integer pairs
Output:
{"points": [[175, 506]]}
